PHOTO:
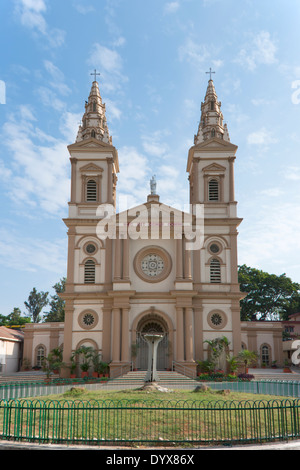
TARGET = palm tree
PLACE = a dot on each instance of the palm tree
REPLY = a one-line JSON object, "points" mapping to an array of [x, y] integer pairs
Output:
{"points": [[247, 358]]}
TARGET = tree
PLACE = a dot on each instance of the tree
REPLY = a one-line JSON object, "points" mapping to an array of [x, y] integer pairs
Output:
{"points": [[247, 358], [57, 311], [269, 296], [35, 304], [15, 318]]}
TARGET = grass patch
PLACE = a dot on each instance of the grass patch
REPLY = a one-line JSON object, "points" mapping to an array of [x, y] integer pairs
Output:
{"points": [[137, 416], [137, 395]]}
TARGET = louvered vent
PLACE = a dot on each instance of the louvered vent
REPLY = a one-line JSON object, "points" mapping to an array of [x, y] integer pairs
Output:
{"points": [[213, 190], [89, 272], [215, 271], [91, 190]]}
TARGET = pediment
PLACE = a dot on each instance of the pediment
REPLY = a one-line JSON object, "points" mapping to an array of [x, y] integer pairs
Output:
{"points": [[91, 143], [214, 167], [91, 167], [215, 144]]}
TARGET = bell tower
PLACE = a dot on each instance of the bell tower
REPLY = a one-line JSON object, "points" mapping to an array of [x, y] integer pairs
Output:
{"points": [[94, 169], [94, 161], [215, 266]]}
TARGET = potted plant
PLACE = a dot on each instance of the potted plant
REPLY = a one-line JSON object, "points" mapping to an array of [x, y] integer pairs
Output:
{"points": [[286, 368], [96, 360], [26, 363], [105, 369], [247, 358], [85, 354], [72, 367], [274, 365], [232, 364]]}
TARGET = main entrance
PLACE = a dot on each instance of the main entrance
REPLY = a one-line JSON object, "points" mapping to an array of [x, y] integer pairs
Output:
{"points": [[152, 324]]}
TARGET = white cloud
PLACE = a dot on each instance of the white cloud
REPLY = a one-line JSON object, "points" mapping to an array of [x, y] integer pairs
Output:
{"points": [[31, 254], [110, 63], [133, 176], [260, 50], [153, 144], [31, 15], [193, 52], [292, 173], [268, 239], [84, 9], [261, 137], [171, 7], [272, 192], [39, 164]]}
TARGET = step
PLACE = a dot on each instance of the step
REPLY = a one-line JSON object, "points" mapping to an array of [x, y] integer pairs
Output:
{"points": [[25, 377], [166, 378]]}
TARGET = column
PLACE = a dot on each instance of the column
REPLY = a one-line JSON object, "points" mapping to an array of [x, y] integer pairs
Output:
{"points": [[179, 263], [118, 259], [231, 179], [73, 179], [179, 335], [110, 181], [125, 335], [187, 262], [106, 333], [71, 255], [116, 334], [68, 333], [196, 182], [126, 259], [189, 343], [198, 336]]}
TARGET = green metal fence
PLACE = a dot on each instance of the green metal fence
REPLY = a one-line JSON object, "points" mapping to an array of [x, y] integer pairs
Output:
{"points": [[13, 390], [101, 422]]}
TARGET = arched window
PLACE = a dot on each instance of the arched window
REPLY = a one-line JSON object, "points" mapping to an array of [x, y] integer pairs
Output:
{"points": [[91, 190], [40, 355], [93, 134], [213, 190], [89, 272], [94, 106], [212, 105], [265, 355], [213, 133], [215, 271]]}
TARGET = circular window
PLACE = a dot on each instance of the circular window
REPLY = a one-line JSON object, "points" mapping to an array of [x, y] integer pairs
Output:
{"points": [[217, 320], [214, 248], [90, 248], [88, 320], [152, 264]]}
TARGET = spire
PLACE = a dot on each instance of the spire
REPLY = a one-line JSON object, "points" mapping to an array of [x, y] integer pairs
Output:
{"points": [[211, 124], [94, 122]]}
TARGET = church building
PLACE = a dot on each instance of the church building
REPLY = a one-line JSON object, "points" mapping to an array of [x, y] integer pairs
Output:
{"points": [[152, 268]]}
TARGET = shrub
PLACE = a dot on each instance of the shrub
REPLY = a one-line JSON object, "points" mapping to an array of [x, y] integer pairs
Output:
{"points": [[245, 377]]}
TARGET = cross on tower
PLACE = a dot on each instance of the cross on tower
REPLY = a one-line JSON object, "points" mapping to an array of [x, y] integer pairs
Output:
{"points": [[95, 74], [210, 72]]}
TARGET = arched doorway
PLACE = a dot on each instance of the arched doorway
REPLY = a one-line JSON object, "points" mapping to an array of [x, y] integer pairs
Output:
{"points": [[152, 323]]}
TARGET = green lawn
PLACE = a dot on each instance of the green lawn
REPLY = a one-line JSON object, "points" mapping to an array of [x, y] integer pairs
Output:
{"points": [[132, 416], [79, 393]]}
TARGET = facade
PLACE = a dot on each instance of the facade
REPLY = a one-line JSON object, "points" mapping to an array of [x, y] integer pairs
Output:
{"points": [[151, 268], [11, 350]]}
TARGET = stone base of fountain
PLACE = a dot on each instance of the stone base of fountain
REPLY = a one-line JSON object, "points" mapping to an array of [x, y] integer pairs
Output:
{"points": [[154, 387]]}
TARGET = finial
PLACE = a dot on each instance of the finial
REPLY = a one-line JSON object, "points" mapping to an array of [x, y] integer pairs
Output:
{"points": [[210, 72], [153, 185], [95, 75]]}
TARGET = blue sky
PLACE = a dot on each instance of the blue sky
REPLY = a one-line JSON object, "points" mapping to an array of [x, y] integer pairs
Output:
{"points": [[152, 56]]}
